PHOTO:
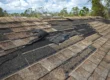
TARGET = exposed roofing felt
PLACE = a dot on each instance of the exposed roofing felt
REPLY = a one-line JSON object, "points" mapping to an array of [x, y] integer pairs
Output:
{"points": [[56, 49]]}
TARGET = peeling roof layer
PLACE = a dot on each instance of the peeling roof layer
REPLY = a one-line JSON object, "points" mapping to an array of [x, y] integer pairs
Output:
{"points": [[83, 56]]}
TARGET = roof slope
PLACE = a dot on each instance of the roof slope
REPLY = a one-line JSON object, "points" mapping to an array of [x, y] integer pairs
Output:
{"points": [[74, 49]]}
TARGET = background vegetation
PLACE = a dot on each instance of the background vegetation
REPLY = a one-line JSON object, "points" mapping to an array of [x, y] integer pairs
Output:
{"points": [[98, 9]]}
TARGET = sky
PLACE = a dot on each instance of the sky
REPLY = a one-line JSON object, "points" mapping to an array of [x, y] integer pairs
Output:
{"points": [[19, 6]]}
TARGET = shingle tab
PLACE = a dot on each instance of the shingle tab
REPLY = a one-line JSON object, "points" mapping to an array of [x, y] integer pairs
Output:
{"points": [[38, 70], [89, 66], [80, 74], [14, 77]]}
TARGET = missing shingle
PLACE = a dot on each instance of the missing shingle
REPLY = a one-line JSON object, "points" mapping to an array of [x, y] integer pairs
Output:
{"points": [[5, 30], [85, 29], [3, 37]]}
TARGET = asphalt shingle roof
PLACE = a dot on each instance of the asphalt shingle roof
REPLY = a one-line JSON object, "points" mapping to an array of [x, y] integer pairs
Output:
{"points": [[83, 56]]}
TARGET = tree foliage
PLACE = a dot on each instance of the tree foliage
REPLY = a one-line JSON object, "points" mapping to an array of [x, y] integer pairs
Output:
{"points": [[1, 12], [75, 11], [84, 11], [63, 12], [107, 3], [30, 13], [97, 8]]}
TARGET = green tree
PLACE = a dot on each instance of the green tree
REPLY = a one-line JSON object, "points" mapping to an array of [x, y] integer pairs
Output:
{"points": [[28, 12], [63, 12], [1, 12], [75, 11], [15, 14], [107, 10], [84, 11], [31, 13], [97, 8], [71, 13], [107, 3], [6, 13]]}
